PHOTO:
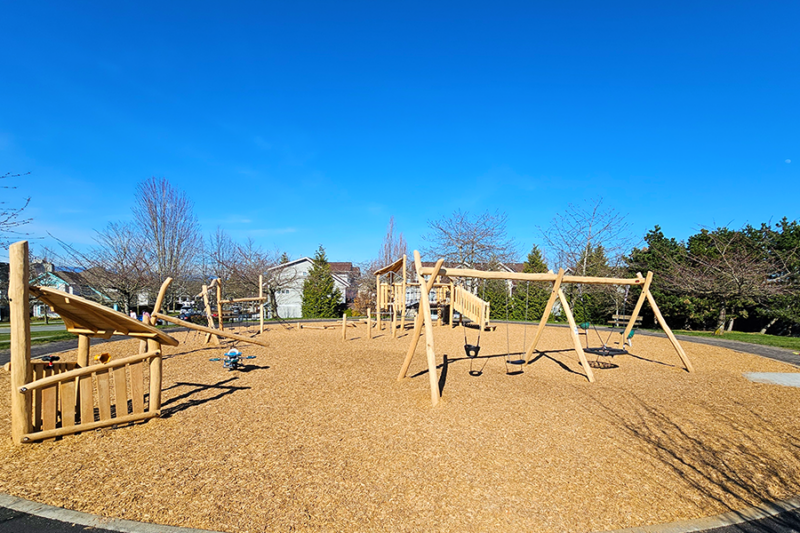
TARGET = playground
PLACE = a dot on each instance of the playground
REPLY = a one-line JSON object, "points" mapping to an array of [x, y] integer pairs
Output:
{"points": [[316, 434]]}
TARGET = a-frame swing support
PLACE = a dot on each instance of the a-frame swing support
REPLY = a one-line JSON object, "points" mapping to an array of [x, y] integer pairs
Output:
{"points": [[424, 316]]}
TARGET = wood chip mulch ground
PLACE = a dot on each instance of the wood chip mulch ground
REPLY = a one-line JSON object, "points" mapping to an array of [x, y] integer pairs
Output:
{"points": [[318, 435]]}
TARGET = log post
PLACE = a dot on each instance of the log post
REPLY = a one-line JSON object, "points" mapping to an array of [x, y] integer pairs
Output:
{"points": [[675, 344], [369, 322], [344, 326], [83, 350], [639, 303], [575, 338], [403, 296], [210, 319], [155, 376], [545, 316], [425, 286], [452, 304], [378, 306], [425, 309], [219, 305], [261, 306], [394, 319], [21, 371]]}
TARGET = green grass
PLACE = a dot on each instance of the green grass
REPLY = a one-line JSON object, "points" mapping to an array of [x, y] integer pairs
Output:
{"points": [[793, 343], [38, 337]]}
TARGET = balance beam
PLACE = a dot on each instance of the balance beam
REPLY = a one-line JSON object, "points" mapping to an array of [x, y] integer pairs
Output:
{"points": [[220, 333]]}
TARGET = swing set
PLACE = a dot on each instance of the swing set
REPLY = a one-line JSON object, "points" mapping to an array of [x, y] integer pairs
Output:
{"points": [[424, 319]]}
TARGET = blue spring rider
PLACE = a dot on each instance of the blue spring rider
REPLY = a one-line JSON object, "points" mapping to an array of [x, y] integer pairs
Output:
{"points": [[232, 360]]}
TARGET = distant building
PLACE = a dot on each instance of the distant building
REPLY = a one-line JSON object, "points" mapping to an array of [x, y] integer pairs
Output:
{"points": [[291, 276]]}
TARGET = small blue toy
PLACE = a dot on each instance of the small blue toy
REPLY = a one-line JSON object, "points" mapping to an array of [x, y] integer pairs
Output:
{"points": [[233, 359]]}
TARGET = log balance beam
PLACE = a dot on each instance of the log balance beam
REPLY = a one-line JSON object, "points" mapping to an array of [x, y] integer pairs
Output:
{"points": [[220, 333]]}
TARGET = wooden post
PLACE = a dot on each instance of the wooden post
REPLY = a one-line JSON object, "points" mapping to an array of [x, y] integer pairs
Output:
{"points": [[546, 315], [210, 319], [403, 296], [162, 292], [219, 305], [378, 306], [678, 348], [369, 322], [155, 376], [425, 309], [344, 326], [394, 319], [576, 339], [21, 370], [452, 304], [261, 306], [83, 351], [639, 304], [425, 286]]}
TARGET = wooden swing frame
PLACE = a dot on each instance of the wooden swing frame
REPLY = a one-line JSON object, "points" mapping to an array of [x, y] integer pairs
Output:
{"points": [[557, 279]]}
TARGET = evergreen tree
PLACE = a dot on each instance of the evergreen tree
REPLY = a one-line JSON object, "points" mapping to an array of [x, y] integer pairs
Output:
{"points": [[530, 298], [321, 299], [284, 258]]}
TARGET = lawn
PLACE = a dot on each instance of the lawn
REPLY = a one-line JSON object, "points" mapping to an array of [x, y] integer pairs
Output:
{"points": [[37, 337], [793, 343]]}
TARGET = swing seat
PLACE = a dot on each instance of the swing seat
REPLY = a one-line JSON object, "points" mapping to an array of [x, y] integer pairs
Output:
{"points": [[472, 350], [605, 351], [516, 361]]}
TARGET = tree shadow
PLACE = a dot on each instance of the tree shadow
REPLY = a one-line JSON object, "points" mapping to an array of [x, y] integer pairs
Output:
{"points": [[187, 399], [728, 466]]}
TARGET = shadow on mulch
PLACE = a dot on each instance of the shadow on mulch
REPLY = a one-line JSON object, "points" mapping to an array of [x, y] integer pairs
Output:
{"points": [[197, 388], [728, 468]]}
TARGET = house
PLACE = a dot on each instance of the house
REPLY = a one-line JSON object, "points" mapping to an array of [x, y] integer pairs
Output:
{"points": [[62, 280], [288, 279]]}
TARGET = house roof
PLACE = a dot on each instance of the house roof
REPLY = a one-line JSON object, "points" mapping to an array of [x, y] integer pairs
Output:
{"points": [[337, 273]]}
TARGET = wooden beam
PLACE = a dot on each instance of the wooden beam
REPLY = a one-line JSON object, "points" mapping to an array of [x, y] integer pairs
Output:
{"points": [[155, 375], [546, 315], [219, 305], [521, 276], [425, 288], [675, 344], [83, 350], [213, 337], [162, 292], [576, 339], [21, 371], [369, 323], [58, 432], [379, 306], [344, 326], [642, 297], [425, 309], [261, 307], [204, 329], [250, 299]]}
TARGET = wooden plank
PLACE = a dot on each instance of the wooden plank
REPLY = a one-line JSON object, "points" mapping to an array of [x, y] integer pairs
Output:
{"points": [[68, 403], [38, 373], [49, 404], [120, 391], [21, 372], [576, 339], [86, 391], [545, 316], [137, 387], [521, 276], [103, 394], [59, 432]]}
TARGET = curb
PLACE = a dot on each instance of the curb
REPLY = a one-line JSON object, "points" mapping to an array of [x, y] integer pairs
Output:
{"points": [[85, 519], [731, 518]]}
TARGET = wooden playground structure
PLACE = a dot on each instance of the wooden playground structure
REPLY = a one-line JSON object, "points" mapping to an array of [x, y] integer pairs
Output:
{"points": [[393, 290], [425, 320], [220, 303], [51, 399]]}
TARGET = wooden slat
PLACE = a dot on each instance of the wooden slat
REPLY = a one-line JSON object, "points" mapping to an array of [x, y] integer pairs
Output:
{"points": [[49, 403], [121, 391], [137, 387], [103, 395], [87, 399], [67, 403], [38, 373], [89, 370]]}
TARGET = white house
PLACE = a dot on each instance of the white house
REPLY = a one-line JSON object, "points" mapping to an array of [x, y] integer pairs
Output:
{"points": [[289, 278]]}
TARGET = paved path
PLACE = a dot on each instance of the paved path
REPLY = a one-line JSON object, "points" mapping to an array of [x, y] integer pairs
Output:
{"points": [[22, 516]]}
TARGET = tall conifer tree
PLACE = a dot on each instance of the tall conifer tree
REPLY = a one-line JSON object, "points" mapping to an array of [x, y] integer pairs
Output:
{"points": [[321, 299]]}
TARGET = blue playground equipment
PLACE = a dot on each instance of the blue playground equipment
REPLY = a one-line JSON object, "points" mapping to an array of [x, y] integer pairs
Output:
{"points": [[232, 360]]}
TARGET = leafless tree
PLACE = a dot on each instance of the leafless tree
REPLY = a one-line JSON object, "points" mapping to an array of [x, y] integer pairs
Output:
{"points": [[574, 234], [169, 227], [10, 217], [393, 247], [731, 270], [469, 240], [220, 255]]}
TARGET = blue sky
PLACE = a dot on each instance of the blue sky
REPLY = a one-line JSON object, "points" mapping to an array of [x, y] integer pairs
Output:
{"points": [[301, 123]]}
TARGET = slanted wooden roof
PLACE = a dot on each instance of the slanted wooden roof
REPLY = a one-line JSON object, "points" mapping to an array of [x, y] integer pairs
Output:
{"points": [[397, 266], [84, 317]]}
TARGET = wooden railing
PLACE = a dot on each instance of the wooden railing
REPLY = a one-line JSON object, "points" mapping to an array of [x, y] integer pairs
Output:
{"points": [[470, 306], [68, 399]]}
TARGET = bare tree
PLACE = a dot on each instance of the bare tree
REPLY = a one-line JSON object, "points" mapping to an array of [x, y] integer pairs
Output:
{"points": [[220, 253], [467, 240], [730, 269], [10, 217], [574, 234], [393, 247], [171, 233]]}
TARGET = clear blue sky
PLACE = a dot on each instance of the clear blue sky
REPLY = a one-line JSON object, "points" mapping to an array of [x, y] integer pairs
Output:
{"points": [[302, 123]]}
